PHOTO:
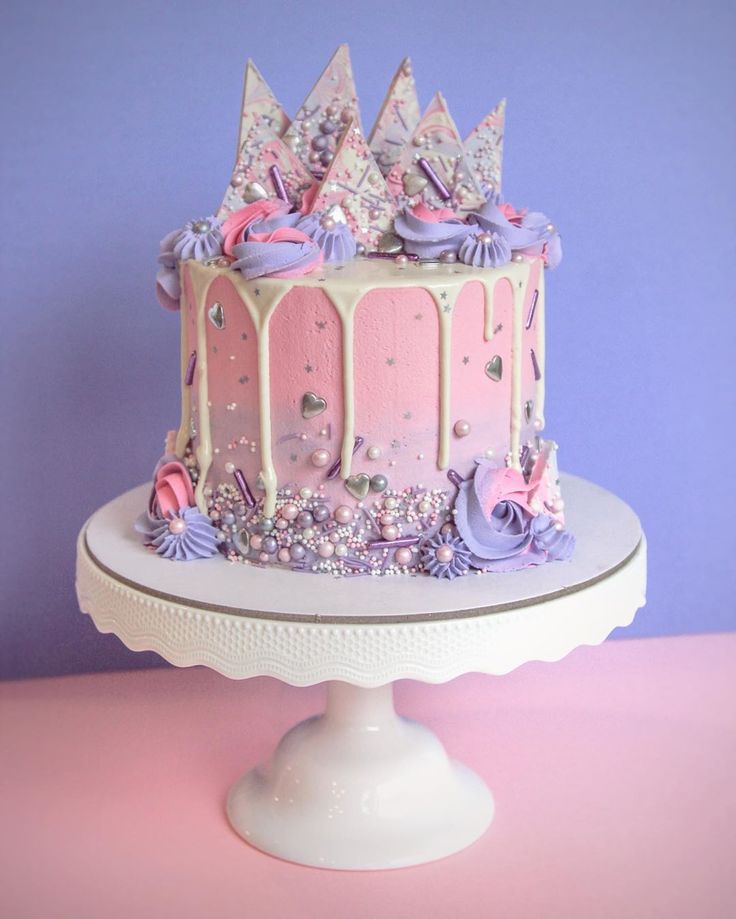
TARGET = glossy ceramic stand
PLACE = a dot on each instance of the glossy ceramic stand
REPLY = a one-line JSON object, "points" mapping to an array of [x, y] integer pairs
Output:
{"points": [[360, 787]]}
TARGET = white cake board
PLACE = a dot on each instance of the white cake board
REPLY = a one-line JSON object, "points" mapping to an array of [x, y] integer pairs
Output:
{"points": [[360, 787]]}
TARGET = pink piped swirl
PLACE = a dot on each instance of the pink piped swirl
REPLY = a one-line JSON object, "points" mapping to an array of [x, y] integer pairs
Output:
{"points": [[235, 228], [172, 489]]}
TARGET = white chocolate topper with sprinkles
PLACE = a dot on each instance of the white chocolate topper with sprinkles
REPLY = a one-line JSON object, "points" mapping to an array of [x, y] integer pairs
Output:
{"points": [[324, 115], [422, 159], [484, 148], [433, 168], [354, 182], [397, 119], [259, 107]]}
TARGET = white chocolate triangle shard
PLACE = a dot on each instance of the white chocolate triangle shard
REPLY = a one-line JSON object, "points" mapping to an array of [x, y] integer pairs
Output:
{"points": [[332, 104], [398, 117], [259, 108], [354, 182], [433, 167], [253, 175], [484, 149]]}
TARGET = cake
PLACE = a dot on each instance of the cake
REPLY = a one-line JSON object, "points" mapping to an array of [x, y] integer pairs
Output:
{"points": [[362, 349]]}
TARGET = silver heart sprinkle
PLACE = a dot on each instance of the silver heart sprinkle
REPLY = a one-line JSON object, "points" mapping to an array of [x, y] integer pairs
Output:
{"points": [[217, 315], [358, 485], [253, 191], [390, 242], [312, 405], [494, 368], [414, 184]]}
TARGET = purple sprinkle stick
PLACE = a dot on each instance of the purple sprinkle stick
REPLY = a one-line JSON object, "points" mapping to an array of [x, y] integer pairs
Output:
{"points": [[535, 365], [392, 255], [455, 477], [335, 467], [401, 543], [356, 563], [245, 491], [189, 375], [532, 310], [278, 182], [442, 189]]}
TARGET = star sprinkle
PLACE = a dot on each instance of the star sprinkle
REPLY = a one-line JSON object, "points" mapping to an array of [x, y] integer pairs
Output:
{"points": [[354, 183], [397, 119], [325, 114], [433, 168], [484, 149]]}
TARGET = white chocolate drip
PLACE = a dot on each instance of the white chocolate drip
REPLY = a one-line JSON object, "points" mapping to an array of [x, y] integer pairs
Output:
{"points": [[182, 436], [201, 281], [540, 354], [345, 286]]}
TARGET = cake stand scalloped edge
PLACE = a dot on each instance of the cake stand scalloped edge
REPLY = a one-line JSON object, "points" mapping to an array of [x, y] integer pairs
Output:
{"points": [[366, 655]]}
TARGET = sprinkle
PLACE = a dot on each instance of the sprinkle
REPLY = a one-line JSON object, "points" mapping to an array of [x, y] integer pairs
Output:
{"points": [[455, 478], [335, 467], [278, 183], [391, 255], [244, 489], [532, 310], [535, 365], [189, 375], [442, 189], [354, 563], [403, 541]]}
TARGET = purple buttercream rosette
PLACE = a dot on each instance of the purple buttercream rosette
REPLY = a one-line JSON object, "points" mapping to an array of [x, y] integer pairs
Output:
{"points": [[485, 250], [494, 519], [530, 233], [430, 238], [183, 536], [559, 544], [446, 556], [332, 236], [276, 258], [198, 239]]}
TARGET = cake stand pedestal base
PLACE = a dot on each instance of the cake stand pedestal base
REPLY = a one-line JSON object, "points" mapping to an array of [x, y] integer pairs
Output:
{"points": [[360, 787]]}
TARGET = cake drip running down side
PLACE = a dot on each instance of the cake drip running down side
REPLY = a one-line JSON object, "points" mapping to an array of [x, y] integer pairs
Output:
{"points": [[362, 348]]}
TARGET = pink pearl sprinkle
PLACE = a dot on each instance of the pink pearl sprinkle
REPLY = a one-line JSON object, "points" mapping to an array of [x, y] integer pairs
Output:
{"points": [[445, 554], [177, 526], [289, 511], [326, 549], [256, 541], [403, 556], [284, 555], [320, 458], [389, 532], [343, 514]]}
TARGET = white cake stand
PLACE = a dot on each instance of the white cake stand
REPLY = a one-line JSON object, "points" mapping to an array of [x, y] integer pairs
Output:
{"points": [[359, 787]]}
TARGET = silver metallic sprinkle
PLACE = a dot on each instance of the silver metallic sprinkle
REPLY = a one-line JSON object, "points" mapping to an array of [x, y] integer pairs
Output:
{"points": [[532, 310]]}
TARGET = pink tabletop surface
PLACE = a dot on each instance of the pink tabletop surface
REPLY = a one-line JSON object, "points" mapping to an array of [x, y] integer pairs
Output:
{"points": [[613, 773]]}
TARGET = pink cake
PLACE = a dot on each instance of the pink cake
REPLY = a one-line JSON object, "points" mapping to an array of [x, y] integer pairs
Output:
{"points": [[362, 339]]}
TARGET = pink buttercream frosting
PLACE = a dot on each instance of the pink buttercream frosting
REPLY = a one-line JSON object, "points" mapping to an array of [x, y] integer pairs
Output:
{"points": [[172, 487], [235, 228]]}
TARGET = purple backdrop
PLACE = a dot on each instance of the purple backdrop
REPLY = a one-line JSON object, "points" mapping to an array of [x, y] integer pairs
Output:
{"points": [[119, 123]]}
